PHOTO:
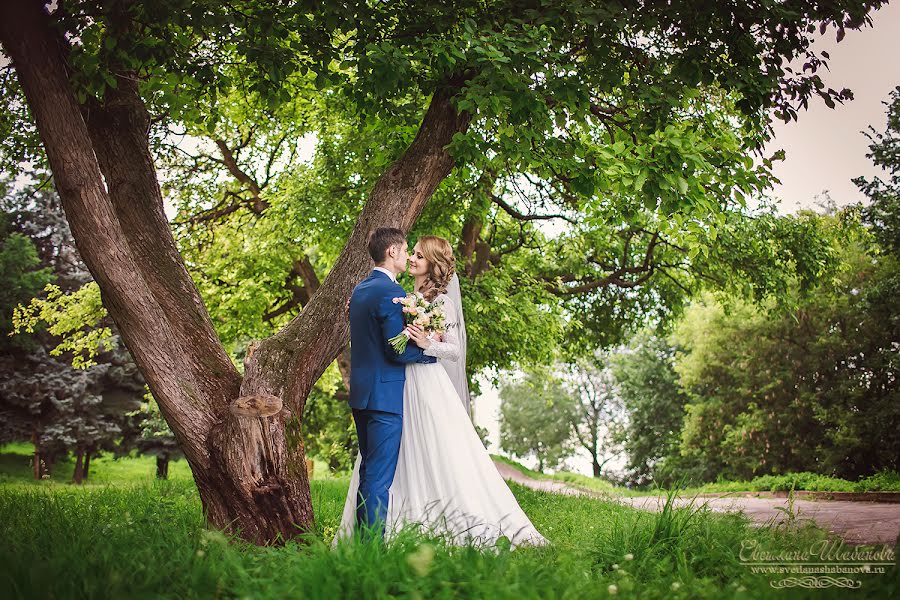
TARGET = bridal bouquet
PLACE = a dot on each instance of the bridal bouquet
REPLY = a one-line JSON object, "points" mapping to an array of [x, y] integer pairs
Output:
{"points": [[429, 315]]}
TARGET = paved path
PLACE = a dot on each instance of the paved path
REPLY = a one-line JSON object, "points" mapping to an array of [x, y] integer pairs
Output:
{"points": [[856, 522]]}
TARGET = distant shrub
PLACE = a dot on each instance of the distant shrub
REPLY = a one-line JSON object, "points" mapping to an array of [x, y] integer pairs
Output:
{"points": [[883, 481]]}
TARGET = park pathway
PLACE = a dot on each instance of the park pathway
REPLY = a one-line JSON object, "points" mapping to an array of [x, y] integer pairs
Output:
{"points": [[856, 522]]}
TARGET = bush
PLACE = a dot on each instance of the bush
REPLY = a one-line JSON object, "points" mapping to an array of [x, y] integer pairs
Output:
{"points": [[883, 481]]}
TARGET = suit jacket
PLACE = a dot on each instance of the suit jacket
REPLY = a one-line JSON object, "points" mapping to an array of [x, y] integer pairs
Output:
{"points": [[377, 371]]}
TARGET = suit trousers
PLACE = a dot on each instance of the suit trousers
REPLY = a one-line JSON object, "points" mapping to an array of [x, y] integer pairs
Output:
{"points": [[379, 446]]}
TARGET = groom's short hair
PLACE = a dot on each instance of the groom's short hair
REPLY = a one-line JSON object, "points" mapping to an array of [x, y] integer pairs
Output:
{"points": [[381, 239]]}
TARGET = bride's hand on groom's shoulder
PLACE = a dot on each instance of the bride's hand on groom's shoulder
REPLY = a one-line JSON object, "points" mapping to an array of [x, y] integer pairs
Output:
{"points": [[418, 336]]}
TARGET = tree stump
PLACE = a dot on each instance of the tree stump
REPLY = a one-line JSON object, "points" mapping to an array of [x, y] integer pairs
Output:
{"points": [[256, 406]]}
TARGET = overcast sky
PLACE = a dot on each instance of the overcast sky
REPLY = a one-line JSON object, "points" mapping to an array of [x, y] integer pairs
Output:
{"points": [[825, 148]]}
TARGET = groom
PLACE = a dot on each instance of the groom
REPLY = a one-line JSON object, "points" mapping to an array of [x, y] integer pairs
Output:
{"points": [[377, 374]]}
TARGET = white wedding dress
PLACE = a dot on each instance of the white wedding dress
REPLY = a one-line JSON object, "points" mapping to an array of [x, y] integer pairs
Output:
{"points": [[446, 482]]}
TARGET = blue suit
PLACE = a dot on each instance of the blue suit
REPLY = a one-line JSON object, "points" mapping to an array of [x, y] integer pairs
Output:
{"points": [[377, 376]]}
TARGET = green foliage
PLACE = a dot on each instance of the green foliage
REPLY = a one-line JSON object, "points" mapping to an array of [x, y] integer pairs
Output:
{"points": [[62, 408], [21, 274], [81, 420], [483, 434], [598, 419], [509, 321], [329, 432], [801, 481], [155, 435], [535, 420], [617, 119], [44, 399], [759, 252], [813, 361], [882, 481], [882, 212], [821, 373], [158, 43], [73, 317], [153, 425], [655, 402]]}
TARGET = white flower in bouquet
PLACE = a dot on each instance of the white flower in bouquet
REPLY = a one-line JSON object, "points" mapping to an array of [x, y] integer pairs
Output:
{"points": [[428, 315]]}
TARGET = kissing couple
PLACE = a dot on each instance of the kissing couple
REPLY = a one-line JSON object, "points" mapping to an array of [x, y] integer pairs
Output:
{"points": [[421, 462]]}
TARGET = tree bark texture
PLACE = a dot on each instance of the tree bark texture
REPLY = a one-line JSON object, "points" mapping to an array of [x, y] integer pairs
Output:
{"points": [[250, 471]]}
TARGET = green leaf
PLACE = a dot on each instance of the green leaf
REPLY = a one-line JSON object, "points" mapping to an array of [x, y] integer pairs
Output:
{"points": [[639, 180]]}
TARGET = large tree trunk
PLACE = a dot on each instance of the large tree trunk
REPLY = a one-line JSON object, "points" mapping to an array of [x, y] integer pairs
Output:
{"points": [[250, 470]]}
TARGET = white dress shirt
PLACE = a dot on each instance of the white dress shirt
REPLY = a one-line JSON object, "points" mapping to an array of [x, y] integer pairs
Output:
{"points": [[388, 273]]}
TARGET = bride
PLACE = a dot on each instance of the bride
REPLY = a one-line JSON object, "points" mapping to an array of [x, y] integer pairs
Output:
{"points": [[446, 483]]}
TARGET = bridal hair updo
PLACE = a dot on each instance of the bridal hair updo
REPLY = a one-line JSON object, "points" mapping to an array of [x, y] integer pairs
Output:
{"points": [[441, 265]]}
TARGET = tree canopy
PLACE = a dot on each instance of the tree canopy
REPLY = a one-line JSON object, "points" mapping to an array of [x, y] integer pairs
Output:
{"points": [[635, 124]]}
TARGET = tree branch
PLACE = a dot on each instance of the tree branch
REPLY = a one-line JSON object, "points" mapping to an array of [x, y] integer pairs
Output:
{"points": [[259, 205], [613, 279], [302, 350], [515, 214]]}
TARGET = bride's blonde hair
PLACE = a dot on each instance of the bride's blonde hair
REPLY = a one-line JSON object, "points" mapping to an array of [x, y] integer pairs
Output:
{"points": [[441, 265]]}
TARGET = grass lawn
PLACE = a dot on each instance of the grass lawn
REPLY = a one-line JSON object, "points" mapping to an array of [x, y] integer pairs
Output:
{"points": [[126, 535], [16, 468]]}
